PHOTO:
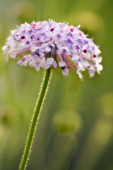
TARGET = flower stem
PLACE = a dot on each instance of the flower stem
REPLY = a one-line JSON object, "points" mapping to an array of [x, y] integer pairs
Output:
{"points": [[35, 118]]}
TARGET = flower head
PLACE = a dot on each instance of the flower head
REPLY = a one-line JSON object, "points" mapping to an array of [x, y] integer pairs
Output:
{"points": [[48, 44]]}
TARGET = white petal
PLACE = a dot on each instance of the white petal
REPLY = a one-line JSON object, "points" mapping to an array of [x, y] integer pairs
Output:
{"points": [[62, 63], [25, 63], [80, 66], [47, 49], [99, 68], [27, 57], [91, 72], [65, 72], [100, 59], [13, 55], [79, 74], [85, 63], [34, 48], [54, 64], [75, 58], [32, 63], [49, 61], [37, 67], [20, 63], [44, 65], [4, 48]]}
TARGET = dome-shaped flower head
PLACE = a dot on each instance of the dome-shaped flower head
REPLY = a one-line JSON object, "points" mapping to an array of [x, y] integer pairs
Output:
{"points": [[48, 44]]}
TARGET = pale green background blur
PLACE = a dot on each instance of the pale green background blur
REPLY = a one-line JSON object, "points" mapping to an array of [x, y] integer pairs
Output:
{"points": [[75, 131]]}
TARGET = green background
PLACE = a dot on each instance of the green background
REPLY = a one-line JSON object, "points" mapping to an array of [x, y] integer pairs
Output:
{"points": [[75, 131]]}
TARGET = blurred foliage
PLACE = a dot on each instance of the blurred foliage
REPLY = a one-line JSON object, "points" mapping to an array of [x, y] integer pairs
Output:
{"points": [[75, 131]]}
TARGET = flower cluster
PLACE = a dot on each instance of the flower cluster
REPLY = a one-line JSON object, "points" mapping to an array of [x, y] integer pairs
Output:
{"points": [[48, 44]]}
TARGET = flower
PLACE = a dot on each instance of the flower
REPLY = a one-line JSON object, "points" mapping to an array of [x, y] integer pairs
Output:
{"points": [[48, 44]]}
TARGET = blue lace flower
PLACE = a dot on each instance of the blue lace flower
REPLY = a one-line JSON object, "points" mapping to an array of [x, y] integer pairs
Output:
{"points": [[48, 44]]}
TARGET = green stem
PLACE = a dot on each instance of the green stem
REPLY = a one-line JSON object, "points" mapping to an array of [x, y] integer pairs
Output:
{"points": [[35, 118]]}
